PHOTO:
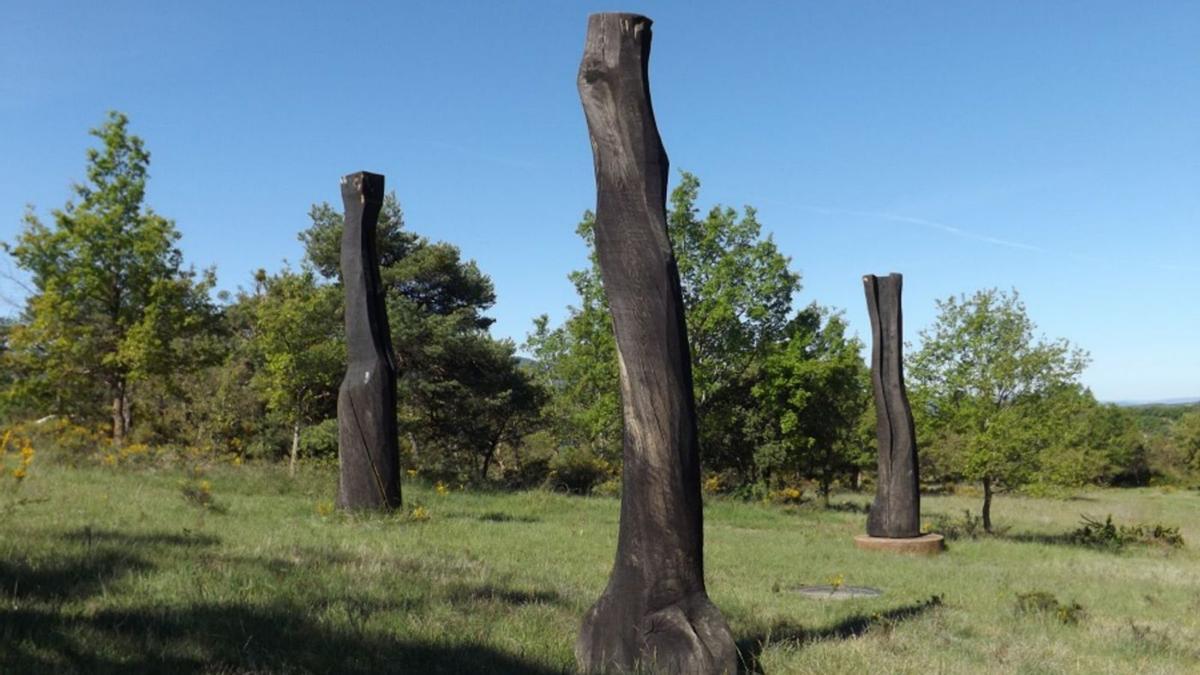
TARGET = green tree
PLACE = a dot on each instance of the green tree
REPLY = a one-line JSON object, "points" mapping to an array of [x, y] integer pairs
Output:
{"points": [[737, 291], [298, 337], [111, 301], [460, 392], [1186, 436], [985, 379], [812, 395], [577, 362]]}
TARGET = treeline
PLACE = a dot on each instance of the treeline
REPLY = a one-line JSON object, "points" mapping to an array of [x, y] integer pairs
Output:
{"points": [[118, 332]]}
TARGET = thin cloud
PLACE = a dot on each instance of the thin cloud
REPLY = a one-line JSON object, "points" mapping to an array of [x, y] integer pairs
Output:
{"points": [[987, 239], [924, 222]]}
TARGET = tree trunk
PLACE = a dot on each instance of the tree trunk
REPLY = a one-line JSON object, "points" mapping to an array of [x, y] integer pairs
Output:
{"points": [[487, 459], [896, 512], [368, 442], [120, 413], [987, 505], [655, 613], [295, 449]]}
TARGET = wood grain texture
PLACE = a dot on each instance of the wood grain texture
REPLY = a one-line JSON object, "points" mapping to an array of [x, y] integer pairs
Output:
{"points": [[655, 613], [368, 447], [896, 511]]}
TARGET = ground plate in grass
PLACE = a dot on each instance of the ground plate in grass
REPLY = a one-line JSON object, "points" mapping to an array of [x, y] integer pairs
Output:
{"points": [[838, 592]]}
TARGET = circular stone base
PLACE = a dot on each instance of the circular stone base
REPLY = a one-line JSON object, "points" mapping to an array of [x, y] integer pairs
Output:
{"points": [[926, 544]]}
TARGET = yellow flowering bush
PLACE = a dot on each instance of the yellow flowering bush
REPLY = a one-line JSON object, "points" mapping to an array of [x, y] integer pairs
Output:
{"points": [[787, 495], [712, 484], [23, 447], [196, 489]]}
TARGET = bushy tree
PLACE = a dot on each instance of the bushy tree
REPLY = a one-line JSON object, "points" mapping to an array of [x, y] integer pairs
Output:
{"points": [[1185, 434], [460, 392], [112, 304], [299, 341], [737, 291], [812, 395], [988, 388]]}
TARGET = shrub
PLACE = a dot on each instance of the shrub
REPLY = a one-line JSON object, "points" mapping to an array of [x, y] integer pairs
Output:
{"points": [[62, 439], [1112, 537], [970, 526], [23, 453], [197, 490], [1043, 603], [609, 488], [577, 471], [528, 474], [320, 440], [789, 494]]}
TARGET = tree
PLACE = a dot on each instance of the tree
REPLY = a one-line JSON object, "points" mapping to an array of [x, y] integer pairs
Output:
{"points": [[460, 392], [1186, 435], [737, 291], [813, 392], [111, 299], [299, 340], [577, 362], [985, 382]]}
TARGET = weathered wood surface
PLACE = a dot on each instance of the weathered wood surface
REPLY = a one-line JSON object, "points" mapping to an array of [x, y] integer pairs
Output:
{"points": [[368, 447], [896, 511], [655, 613]]}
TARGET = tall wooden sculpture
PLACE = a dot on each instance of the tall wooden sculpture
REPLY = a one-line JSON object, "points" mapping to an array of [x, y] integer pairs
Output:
{"points": [[368, 449], [895, 518], [655, 612]]}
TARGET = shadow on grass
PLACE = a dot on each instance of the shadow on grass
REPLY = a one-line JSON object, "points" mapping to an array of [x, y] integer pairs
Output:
{"points": [[90, 537], [42, 629], [501, 517], [228, 639], [60, 581], [750, 647], [849, 507], [462, 594]]}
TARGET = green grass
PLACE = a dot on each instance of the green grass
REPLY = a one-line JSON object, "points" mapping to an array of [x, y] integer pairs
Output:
{"points": [[112, 569]]}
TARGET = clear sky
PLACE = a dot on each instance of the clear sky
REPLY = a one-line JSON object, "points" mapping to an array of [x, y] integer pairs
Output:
{"points": [[1051, 147]]}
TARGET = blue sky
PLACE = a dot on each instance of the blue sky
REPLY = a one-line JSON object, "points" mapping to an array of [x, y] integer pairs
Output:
{"points": [[1049, 147]]}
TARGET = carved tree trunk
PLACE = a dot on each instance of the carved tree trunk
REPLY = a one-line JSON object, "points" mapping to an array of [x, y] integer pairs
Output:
{"points": [[896, 512], [654, 613], [368, 447]]}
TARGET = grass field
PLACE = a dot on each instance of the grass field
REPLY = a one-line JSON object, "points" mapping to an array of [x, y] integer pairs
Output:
{"points": [[112, 569]]}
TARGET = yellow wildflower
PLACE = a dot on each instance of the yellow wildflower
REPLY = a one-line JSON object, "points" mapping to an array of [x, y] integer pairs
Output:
{"points": [[19, 473], [441, 488]]}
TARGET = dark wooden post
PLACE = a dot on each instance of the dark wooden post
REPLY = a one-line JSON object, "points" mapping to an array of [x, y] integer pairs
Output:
{"points": [[368, 449], [896, 512], [655, 612]]}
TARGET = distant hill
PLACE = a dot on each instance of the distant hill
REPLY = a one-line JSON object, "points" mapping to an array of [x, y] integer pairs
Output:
{"points": [[1165, 401]]}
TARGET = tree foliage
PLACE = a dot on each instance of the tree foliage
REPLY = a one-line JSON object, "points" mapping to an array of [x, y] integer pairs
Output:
{"points": [[112, 304], [461, 393], [748, 347], [991, 390]]}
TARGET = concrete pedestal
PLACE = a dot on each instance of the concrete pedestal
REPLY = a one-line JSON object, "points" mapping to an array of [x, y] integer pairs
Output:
{"points": [[926, 544]]}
